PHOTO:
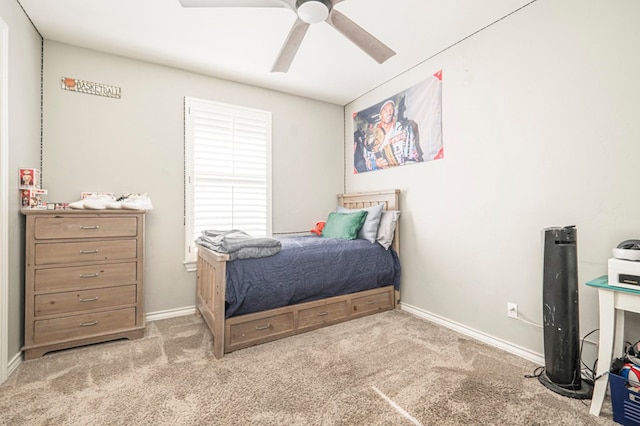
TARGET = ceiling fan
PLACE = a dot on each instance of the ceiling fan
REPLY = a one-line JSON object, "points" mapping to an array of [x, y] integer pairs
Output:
{"points": [[308, 12]]}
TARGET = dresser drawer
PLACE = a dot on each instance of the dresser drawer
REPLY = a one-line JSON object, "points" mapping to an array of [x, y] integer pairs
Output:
{"points": [[322, 314], [84, 227], [79, 326], [260, 330], [75, 301], [87, 251], [374, 302], [52, 279]]}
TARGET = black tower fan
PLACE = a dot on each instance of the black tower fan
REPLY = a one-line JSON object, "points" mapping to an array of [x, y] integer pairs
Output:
{"points": [[560, 315]]}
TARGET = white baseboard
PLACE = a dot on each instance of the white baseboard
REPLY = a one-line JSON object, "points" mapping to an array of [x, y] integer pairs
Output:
{"points": [[478, 335], [171, 313], [14, 363]]}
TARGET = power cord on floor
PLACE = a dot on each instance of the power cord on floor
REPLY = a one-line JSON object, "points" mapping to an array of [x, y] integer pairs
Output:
{"points": [[536, 373], [587, 374]]}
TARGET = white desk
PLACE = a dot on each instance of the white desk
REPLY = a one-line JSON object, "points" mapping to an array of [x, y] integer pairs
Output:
{"points": [[613, 302]]}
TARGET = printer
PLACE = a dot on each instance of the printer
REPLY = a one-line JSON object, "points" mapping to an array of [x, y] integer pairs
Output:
{"points": [[624, 267]]}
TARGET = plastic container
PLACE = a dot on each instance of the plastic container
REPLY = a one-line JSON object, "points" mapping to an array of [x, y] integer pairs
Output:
{"points": [[625, 402]]}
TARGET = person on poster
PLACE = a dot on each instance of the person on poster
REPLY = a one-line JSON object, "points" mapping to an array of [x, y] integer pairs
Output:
{"points": [[359, 151], [395, 140], [373, 154]]}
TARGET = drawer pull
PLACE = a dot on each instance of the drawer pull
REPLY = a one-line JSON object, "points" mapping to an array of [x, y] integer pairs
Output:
{"points": [[90, 275], [263, 327], [90, 227], [89, 251], [371, 302], [323, 313], [88, 324], [91, 299]]}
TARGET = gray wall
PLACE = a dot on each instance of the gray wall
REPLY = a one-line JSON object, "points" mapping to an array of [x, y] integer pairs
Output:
{"points": [[24, 149], [540, 124], [135, 144]]}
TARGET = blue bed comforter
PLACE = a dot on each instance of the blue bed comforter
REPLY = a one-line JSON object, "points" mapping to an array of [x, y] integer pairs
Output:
{"points": [[308, 268]]}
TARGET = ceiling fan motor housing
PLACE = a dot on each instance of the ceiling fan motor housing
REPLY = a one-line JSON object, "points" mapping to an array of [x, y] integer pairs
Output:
{"points": [[313, 11]]}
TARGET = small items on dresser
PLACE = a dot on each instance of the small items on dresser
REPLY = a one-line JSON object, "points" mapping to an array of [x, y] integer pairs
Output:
{"points": [[32, 196], [107, 201]]}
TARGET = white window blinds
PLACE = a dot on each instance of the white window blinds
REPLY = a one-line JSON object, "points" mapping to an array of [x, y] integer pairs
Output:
{"points": [[228, 169]]}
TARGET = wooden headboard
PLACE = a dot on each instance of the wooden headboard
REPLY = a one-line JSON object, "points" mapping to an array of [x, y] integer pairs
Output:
{"points": [[390, 198]]}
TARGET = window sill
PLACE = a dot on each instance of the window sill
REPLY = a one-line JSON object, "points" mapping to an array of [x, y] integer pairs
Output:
{"points": [[190, 266]]}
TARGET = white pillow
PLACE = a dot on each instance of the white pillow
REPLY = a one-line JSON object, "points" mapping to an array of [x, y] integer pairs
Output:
{"points": [[387, 227], [369, 230]]}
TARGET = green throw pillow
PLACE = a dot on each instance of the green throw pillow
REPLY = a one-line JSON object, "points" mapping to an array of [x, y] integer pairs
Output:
{"points": [[344, 225]]}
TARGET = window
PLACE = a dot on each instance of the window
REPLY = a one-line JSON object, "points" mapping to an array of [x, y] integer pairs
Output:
{"points": [[227, 171]]}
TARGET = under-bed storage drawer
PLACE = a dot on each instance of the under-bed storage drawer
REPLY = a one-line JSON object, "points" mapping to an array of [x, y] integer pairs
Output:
{"points": [[322, 314], [260, 330], [374, 302]]}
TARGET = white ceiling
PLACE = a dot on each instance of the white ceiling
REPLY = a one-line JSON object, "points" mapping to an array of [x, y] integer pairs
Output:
{"points": [[241, 44]]}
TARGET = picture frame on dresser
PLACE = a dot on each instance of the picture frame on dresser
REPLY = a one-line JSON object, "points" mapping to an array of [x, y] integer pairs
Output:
{"points": [[84, 278]]}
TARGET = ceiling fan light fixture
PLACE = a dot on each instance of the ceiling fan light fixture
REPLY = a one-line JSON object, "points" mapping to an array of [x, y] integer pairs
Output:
{"points": [[313, 11]]}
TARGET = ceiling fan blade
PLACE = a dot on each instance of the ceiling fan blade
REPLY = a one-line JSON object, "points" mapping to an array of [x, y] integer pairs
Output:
{"points": [[360, 37], [234, 3], [290, 47]]}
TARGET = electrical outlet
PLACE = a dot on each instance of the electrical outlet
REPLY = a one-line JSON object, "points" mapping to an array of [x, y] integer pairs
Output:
{"points": [[512, 310]]}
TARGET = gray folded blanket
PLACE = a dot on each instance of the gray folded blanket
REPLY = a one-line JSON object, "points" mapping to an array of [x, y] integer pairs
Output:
{"points": [[238, 244]]}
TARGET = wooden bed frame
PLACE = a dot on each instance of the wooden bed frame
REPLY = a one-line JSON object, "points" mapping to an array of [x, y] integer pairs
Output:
{"points": [[251, 329]]}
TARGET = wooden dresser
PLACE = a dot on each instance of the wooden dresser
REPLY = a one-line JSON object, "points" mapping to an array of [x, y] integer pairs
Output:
{"points": [[83, 278]]}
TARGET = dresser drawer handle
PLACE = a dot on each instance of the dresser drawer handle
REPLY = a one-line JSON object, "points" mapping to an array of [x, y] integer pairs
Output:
{"points": [[323, 313], [371, 302], [88, 324], [88, 251], [90, 227], [95, 274], [91, 299], [263, 327]]}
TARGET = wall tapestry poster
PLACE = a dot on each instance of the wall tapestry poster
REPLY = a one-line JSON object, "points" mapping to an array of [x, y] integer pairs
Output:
{"points": [[405, 128]]}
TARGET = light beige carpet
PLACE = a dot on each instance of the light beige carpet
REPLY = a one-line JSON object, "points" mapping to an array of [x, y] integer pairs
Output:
{"points": [[387, 369]]}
